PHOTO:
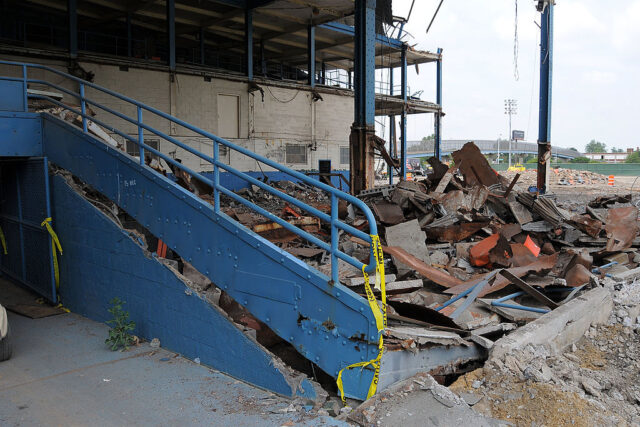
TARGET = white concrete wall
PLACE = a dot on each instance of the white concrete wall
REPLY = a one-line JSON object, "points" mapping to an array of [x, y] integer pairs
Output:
{"points": [[286, 116]]}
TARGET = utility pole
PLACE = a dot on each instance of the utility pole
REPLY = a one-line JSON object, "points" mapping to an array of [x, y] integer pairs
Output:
{"points": [[510, 108]]}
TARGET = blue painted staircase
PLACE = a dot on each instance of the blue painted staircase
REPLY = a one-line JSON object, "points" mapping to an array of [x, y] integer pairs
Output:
{"points": [[326, 322]]}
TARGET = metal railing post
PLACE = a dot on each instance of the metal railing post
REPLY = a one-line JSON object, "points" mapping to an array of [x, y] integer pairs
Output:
{"points": [[140, 136], [334, 240], [216, 176], [83, 108], [24, 83]]}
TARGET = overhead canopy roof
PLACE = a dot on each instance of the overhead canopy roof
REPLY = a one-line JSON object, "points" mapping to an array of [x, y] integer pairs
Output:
{"points": [[279, 27]]}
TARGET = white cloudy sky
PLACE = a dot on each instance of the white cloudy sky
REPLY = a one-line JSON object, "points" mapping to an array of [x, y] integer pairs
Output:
{"points": [[596, 75]]}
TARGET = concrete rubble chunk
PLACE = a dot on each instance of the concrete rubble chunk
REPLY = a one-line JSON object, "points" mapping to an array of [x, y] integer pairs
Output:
{"points": [[561, 327], [411, 238], [628, 275]]}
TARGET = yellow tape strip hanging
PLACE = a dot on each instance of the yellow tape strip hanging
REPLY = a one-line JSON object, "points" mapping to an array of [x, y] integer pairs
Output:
{"points": [[380, 314], [4, 242], [55, 247]]}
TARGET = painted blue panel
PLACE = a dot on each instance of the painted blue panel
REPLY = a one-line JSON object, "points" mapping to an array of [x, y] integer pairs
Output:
{"points": [[101, 262], [11, 95], [20, 134], [219, 247]]}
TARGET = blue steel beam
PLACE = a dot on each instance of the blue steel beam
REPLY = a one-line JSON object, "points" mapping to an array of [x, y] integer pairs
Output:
{"points": [[448, 152], [392, 128], [364, 63], [403, 115], [362, 174], [171, 33], [438, 115], [248, 34], [72, 12], [544, 117], [348, 29], [311, 49]]}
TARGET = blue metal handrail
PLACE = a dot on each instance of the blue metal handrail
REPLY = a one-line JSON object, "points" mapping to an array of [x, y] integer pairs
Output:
{"points": [[331, 218]]}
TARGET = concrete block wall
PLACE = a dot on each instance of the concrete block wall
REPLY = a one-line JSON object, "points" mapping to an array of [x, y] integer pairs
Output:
{"points": [[101, 261], [286, 116]]}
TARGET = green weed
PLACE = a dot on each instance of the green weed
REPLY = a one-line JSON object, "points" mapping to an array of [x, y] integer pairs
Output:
{"points": [[119, 336]]}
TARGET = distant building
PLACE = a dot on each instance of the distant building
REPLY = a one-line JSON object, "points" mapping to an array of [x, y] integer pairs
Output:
{"points": [[610, 157]]}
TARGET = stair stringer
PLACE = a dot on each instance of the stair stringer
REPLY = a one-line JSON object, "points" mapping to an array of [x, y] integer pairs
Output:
{"points": [[328, 324]]}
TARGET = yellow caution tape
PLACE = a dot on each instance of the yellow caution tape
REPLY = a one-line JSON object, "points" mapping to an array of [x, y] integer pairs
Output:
{"points": [[4, 242], [380, 314], [55, 247], [60, 306], [63, 308]]}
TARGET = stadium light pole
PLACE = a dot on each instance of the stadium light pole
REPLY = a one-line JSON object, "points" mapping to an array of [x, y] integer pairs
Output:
{"points": [[511, 109]]}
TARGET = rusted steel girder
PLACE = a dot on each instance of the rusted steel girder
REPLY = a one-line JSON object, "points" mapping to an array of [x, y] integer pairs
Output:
{"points": [[361, 159], [544, 157]]}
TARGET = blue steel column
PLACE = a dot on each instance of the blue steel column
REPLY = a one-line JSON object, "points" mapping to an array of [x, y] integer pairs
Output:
{"points": [[544, 118], [403, 115], [311, 50], [363, 128], [438, 116], [248, 33], [72, 10], [392, 129], [171, 33]]}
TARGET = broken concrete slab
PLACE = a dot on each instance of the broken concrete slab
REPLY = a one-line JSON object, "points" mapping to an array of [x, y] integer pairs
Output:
{"points": [[621, 258], [483, 342], [418, 401], [404, 286], [359, 281], [492, 329], [442, 185], [520, 212], [627, 276], [422, 336], [411, 238], [197, 280], [561, 327]]}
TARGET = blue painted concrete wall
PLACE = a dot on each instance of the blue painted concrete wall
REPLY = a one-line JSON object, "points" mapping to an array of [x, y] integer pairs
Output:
{"points": [[100, 262]]}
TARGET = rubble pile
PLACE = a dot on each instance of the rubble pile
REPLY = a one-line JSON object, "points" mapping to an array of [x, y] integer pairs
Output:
{"points": [[595, 381], [469, 254], [560, 176], [469, 257]]}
